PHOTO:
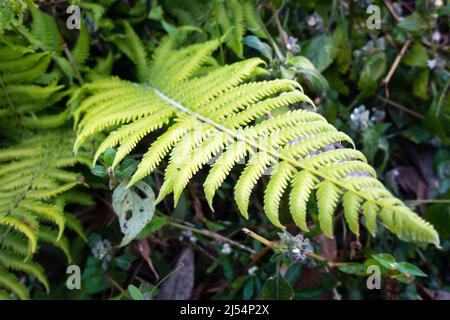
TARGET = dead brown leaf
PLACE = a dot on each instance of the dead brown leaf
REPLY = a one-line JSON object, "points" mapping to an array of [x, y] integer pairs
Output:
{"points": [[179, 285]]}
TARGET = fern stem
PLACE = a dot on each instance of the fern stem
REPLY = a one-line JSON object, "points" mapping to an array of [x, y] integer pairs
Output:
{"points": [[72, 61], [261, 239], [10, 103]]}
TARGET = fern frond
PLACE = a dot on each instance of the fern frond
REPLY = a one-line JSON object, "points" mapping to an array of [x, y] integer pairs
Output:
{"points": [[74, 224], [80, 51], [231, 18], [15, 263], [218, 115], [14, 242], [252, 19], [10, 282], [32, 174], [45, 29], [23, 94], [327, 201], [28, 74], [51, 236]]}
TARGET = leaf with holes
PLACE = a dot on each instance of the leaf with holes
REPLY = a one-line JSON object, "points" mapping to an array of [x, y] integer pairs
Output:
{"points": [[134, 207]]}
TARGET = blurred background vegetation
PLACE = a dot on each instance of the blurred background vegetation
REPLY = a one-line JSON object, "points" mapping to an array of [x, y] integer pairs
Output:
{"points": [[387, 87]]}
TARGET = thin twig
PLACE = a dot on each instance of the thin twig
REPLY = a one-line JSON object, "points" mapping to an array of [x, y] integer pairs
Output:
{"points": [[394, 66], [401, 107], [274, 246], [392, 10], [117, 286], [257, 237], [213, 235], [418, 202], [72, 61], [180, 266]]}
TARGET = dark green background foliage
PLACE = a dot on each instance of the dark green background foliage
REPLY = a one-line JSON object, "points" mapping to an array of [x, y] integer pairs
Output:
{"points": [[387, 88]]}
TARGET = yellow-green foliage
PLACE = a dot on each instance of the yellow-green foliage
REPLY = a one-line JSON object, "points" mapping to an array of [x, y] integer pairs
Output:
{"points": [[232, 17], [26, 89], [33, 181], [212, 113]]}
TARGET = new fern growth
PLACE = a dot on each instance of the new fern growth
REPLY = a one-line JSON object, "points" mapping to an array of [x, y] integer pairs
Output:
{"points": [[216, 114], [33, 184]]}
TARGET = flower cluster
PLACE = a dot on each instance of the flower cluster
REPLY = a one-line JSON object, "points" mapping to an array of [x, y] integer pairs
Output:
{"points": [[361, 118], [298, 247], [103, 251]]}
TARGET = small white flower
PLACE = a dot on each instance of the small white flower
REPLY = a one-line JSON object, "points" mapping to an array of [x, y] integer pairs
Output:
{"points": [[312, 20], [378, 115], [193, 239], [438, 3], [298, 247], [252, 270], [431, 64], [436, 36], [226, 249], [103, 251], [360, 118], [292, 44], [315, 21]]}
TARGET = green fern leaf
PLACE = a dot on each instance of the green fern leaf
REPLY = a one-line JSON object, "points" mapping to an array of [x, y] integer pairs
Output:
{"points": [[370, 212], [33, 175], [302, 186], [215, 115], [80, 51], [45, 29], [352, 204], [15, 263], [282, 174], [327, 201], [10, 282]]}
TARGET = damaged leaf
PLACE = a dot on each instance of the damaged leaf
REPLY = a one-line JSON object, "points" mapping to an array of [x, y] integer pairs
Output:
{"points": [[134, 208]]}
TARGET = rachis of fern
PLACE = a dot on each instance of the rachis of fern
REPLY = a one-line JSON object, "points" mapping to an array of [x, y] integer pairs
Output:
{"points": [[210, 111]]}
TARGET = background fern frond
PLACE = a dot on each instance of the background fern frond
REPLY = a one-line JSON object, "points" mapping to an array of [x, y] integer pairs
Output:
{"points": [[24, 96], [33, 176]]}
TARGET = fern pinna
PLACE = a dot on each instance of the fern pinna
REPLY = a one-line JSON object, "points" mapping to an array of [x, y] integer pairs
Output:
{"points": [[33, 185], [210, 113]]}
